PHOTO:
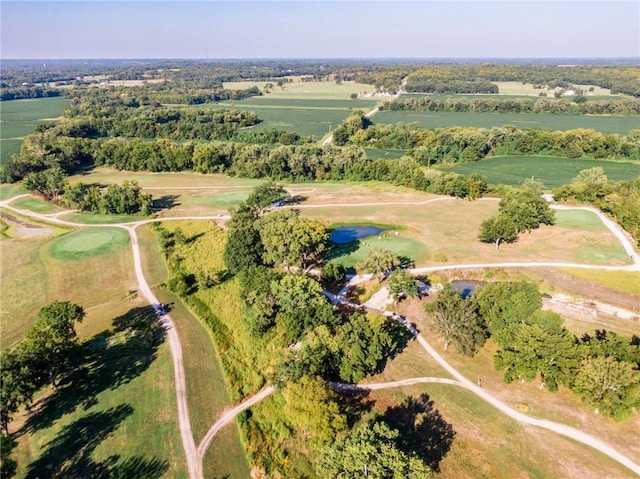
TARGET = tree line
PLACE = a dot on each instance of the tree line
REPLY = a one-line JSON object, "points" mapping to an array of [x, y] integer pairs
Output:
{"points": [[626, 106], [460, 144], [602, 369]]}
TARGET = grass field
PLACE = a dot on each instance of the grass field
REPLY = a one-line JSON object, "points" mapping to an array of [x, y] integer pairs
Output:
{"points": [[487, 443], [37, 205], [552, 171], [624, 281], [21, 117], [445, 119], [450, 227], [326, 90], [117, 415], [89, 243]]}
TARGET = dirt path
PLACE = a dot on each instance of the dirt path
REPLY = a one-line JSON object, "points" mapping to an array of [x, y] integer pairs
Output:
{"points": [[230, 415]]}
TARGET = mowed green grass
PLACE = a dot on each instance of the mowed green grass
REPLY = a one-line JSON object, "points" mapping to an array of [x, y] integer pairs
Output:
{"points": [[120, 407], [37, 205], [552, 171], [20, 117], [89, 242], [446, 119]]}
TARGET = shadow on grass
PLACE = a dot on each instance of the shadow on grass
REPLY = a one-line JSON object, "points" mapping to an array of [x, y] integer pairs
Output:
{"points": [[165, 202], [340, 250], [68, 455], [106, 361], [422, 429]]}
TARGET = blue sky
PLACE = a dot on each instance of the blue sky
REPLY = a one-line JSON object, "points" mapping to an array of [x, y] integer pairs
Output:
{"points": [[328, 29]]}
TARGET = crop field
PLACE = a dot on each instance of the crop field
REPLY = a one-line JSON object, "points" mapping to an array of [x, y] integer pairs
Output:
{"points": [[309, 108], [325, 90], [552, 171], [21, 117], [446, 119]]}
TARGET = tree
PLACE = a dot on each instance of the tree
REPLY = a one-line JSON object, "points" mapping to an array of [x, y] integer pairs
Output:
{"points": [[312, 409], [498, 229], [526, 210], [49, 183], [379, 262], [370, 451], [243, 247], [332, 273], [301, 305], [291, 240], [536, 350], [53, 338], [265, 195], [8, 465], [611, 386], [402, 283], [456, 321]]}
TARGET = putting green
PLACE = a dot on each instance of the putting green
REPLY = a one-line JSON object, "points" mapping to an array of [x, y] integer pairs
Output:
{"points": [[89, 242]]}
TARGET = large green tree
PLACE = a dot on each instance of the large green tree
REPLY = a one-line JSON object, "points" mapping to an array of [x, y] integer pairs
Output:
{"points": [[312, 409], [456, 321], [611, 386], [370, 451], [498, 229], [290, 240], [535, 350], [53, 338], [402, 283], [380, 262]]}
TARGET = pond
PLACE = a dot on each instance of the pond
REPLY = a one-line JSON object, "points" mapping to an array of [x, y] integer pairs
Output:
{"points": [[466, 287], [347, 234]]}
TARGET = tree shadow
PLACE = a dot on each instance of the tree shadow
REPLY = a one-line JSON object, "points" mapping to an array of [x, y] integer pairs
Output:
{"points": [[294, 200], [165, 202], [422, 429], [340, 250], [354, 404], [106, 361], [68, 455]]}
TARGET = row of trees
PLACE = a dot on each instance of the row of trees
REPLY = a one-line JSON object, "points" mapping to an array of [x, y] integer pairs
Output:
{"points": [[25, 92], [52, 185], [627, 106], [460, 144], [602, 369]]}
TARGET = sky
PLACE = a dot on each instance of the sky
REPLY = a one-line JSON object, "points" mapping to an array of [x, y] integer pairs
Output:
{"points": [[213, 29]]}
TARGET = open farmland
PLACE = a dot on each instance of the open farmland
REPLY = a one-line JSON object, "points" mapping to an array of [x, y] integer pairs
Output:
{"points": [[552, 171], [309, 108], [445, 119], [20, 117]]}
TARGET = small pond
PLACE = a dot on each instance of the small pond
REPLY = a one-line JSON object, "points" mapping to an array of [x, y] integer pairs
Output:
{"points": [[347, 234], [466, 287]]}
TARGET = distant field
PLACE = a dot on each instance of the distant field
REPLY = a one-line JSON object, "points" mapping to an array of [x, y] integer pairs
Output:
{"points": [[20, 117], [552, 171], [310, 108], [442, 119], [327, 90], [375, 153]]}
